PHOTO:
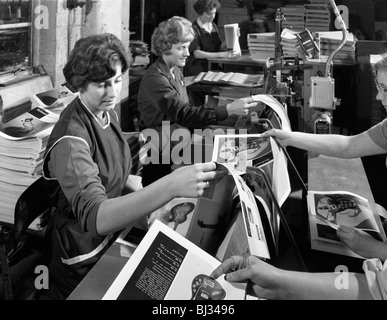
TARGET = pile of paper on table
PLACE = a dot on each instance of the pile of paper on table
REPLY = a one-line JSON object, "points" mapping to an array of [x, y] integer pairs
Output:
{"points": [[261, 45], [23, 141], [330, 41]]}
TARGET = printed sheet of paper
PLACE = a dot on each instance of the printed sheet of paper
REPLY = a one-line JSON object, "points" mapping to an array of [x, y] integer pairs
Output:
{"points": [[271, 217], [236, 152], [330, 209], [253, 227], [55, 99], [252, 220], [30, 124], [342, 208], [167, 266], [280, 180], [277, 107], [177, 214]]}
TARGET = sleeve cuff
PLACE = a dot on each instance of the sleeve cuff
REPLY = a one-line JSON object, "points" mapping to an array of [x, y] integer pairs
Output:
{"points": [[221, 113]]}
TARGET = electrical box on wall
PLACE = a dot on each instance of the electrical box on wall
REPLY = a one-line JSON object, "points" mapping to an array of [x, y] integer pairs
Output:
{"points": [[322, 122], [322, 93]]}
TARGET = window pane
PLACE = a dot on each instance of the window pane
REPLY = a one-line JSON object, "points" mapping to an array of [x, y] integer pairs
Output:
{"points": [[15, 35]]}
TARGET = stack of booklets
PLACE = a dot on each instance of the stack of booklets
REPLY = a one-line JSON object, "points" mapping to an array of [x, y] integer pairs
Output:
{"points": [[294, 17], [317, 17], [23, 141], [230, 78], [330, 41], [289, 43], [22, 145], [261, 45]]}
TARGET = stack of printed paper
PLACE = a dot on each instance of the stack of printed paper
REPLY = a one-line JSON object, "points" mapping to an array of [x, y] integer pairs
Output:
{"points": [[294, 17], [330, 41], [261, 45], [289, 43], [317, 17], [22, 145]]}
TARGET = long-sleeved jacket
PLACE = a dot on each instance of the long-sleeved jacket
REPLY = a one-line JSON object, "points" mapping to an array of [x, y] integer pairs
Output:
{"points": [[163, 98]]}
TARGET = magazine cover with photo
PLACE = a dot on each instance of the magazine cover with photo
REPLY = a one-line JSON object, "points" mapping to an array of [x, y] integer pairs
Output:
{"points": [[330, 209], [29, 124], [344, 209], [55, 99], [255, 149], [176, 214]]}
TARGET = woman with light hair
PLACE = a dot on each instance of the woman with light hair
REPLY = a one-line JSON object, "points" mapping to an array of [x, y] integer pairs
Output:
{"points": [[163, 96]]}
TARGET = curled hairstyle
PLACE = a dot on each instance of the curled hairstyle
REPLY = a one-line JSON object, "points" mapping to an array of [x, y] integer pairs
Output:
{"points": [[169, 32], [380, 65], [95, 59], [202, 6]]}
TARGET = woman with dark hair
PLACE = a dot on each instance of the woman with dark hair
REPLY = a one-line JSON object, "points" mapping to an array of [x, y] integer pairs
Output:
{"points": [[207, 42], [87, 165], [162, 95]]}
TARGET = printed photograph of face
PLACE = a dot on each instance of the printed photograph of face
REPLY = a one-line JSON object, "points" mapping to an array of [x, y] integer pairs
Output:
{"points": [[175, 215]]}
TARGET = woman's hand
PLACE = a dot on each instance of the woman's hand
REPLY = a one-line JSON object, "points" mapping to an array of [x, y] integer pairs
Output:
{"points": [[191, 181], [264, 277], [283, 136], [361, 242], [241, 106], [227, 54]]}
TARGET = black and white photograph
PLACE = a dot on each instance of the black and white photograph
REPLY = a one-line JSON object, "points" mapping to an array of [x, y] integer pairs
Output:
{"points": [[193, 150]]}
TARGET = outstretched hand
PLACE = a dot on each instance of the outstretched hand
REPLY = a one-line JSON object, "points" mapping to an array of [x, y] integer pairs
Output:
{"points": [[263, 276], [282, 136], [360, 242], [191, 181], [241, 106]]}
